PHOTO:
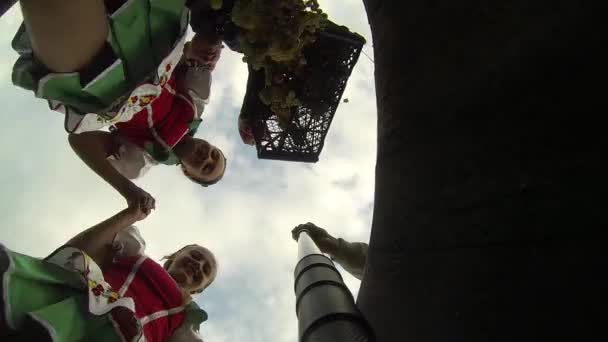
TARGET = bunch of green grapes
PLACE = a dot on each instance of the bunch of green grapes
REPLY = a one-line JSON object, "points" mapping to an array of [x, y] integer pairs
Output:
{"points": [[273, 34]]}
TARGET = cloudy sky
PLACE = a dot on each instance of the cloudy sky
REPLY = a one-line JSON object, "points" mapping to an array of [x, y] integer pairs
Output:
{"points": [[48, 195]]}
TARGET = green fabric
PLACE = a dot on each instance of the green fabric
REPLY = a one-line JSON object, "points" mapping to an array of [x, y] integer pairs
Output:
{"points": [[132, 35], [21, 41], [70, 323], [25, 73], [168, 157], [54, 296], [114, 85], [164, 33], [142, 33], [194, 315], [160, 154], [67, 88]]}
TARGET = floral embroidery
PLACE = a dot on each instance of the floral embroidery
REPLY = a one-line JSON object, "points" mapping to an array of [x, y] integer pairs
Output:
{"points": [[163, 80], [132, 100], [146, 99], [101, 298], [168, 67], [112, 297], [98, 290]]}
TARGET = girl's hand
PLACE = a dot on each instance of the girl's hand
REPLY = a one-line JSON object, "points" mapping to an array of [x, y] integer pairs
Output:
{"points": [[135, 196], [137, 213], [245, 131], [323, 240]]}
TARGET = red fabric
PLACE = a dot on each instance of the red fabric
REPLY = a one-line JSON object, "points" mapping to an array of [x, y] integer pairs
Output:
{"points": [[177, 123], [153, 290], [171, 117]]}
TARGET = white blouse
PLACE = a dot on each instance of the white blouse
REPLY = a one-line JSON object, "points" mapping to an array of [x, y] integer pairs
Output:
{"points": [[131, 160]]}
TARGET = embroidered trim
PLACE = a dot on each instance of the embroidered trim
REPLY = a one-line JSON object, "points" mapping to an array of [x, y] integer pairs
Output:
{"points": [[129, 280], [160, 314], [191, 103], [153, 130], [170, 89], [194, 117], [180, 138]]}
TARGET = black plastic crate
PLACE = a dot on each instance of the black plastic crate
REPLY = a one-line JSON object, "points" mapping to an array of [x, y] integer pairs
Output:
{"points": [[330, 61]]}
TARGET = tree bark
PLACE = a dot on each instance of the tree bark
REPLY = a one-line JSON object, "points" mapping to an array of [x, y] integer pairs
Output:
{"points": [[488, 220]]}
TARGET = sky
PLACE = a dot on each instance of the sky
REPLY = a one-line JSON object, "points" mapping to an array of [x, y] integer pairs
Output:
{"points": [[48, 195]]}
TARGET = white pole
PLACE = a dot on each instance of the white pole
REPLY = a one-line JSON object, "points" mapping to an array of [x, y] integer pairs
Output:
{"points": [[325, 307], [306, 246]]}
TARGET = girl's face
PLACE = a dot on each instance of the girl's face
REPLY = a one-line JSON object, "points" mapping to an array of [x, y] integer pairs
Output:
{"points": [[193, 268], [203, 160], [203, 52]]}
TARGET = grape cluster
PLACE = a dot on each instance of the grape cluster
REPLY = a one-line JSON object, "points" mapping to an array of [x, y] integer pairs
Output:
{"points": [[272, 36]]}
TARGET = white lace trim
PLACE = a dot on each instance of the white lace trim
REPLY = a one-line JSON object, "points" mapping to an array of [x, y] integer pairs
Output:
{"points": [[131, 276]]}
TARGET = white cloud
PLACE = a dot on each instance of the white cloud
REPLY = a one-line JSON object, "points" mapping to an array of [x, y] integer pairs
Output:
{"points": [[48, 195]]}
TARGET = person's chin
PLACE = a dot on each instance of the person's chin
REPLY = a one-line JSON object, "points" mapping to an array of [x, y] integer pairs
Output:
{"points": [[180, 277]]}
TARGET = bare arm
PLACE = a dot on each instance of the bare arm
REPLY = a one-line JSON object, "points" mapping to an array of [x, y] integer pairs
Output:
{"points": [[94, 148], [350, 255], [245, 131], [97, 240]]}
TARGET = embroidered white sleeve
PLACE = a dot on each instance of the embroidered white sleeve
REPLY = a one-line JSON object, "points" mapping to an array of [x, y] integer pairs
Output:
{"points": [[197, 82], [131, 160], [128, 242], [77, 123]]}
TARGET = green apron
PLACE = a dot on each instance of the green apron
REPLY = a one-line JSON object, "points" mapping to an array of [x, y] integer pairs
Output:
{"points": [[42, 301], [142, 33], [45, 302]]}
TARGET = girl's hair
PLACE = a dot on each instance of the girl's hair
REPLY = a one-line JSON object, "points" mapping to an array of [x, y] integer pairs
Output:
{"points": [[169, 260], [209, 23]]}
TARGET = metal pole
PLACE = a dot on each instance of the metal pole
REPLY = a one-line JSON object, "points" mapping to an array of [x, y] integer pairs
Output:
{"points": [[325, 307], [5, 5]]}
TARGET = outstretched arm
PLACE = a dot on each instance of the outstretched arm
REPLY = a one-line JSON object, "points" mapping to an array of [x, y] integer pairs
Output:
{"points": [[97, 240], [94, 148], [350, 255], [245, 131]]}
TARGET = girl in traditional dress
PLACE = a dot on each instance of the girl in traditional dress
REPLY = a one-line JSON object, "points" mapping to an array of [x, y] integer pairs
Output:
{"points": [[204, 19], [123, 64], [100, 286]]}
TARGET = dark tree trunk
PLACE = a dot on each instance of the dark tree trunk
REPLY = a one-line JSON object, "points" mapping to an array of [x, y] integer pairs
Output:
{"points": [[489, 204]]}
